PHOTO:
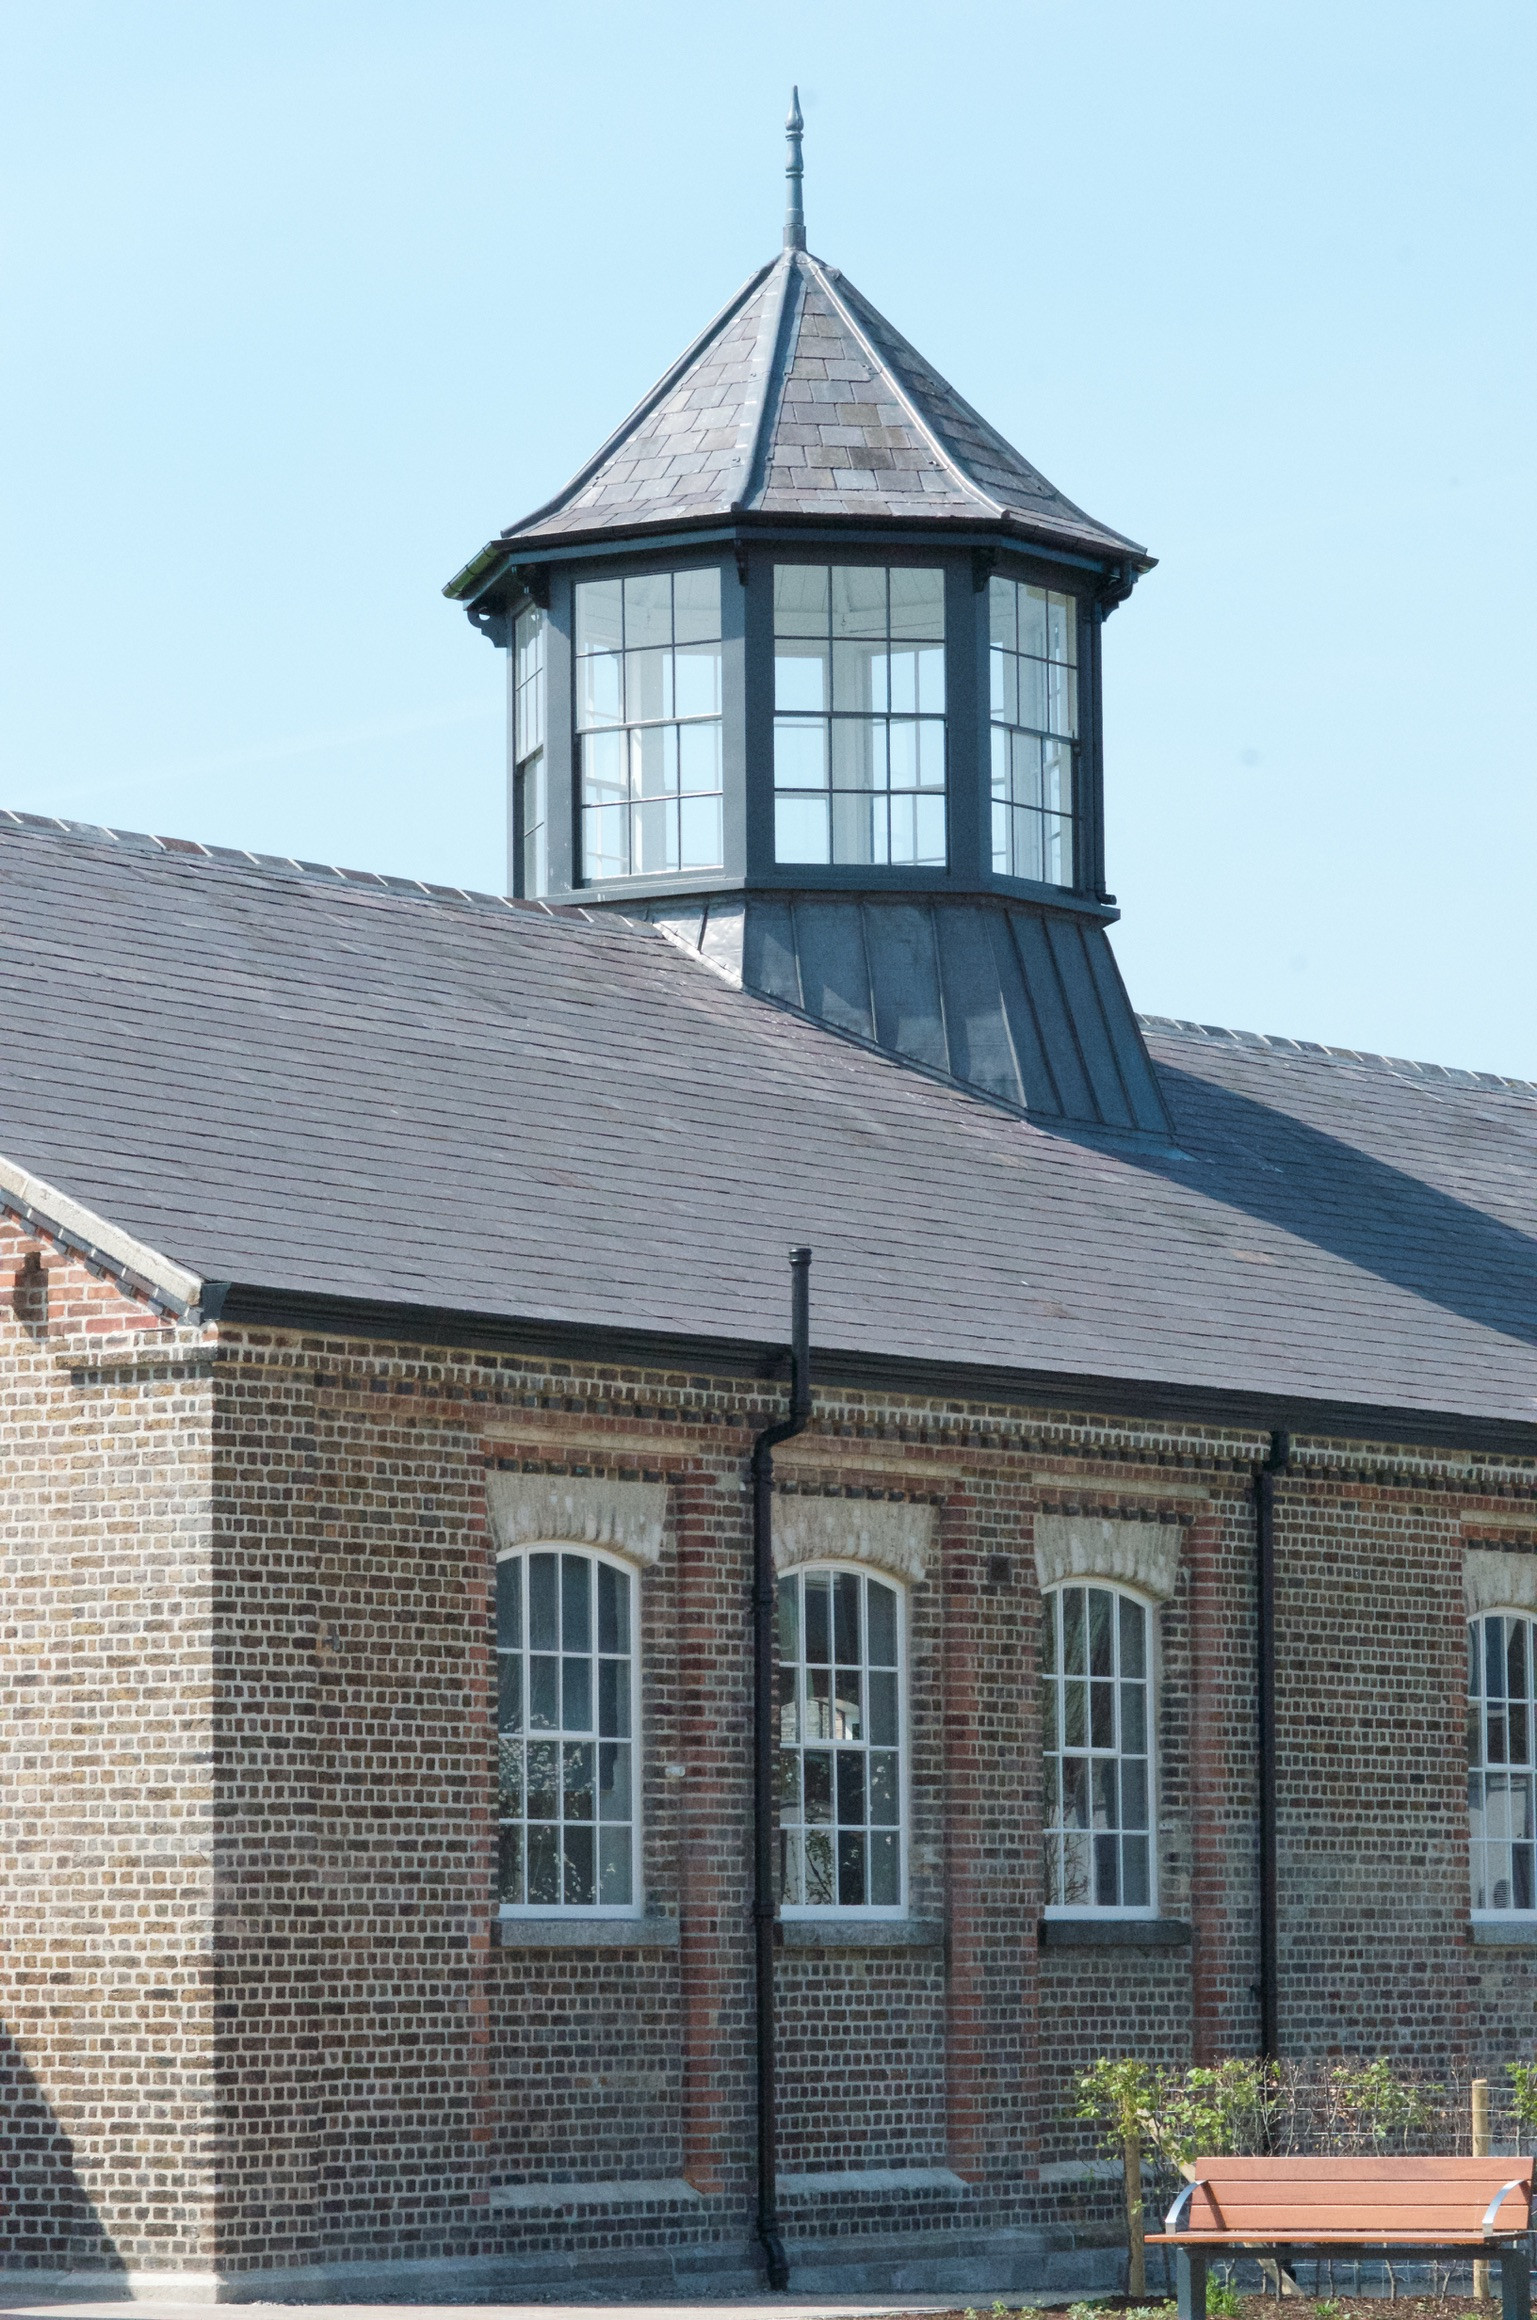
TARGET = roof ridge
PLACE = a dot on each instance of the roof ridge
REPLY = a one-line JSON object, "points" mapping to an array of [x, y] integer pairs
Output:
{"points": [[1313, 1051], [289, 869]]}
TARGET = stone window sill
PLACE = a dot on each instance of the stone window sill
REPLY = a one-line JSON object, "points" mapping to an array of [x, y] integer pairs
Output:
{"points": [[860, 1933], [587, 1933], [1114, 1933], [1488, 1933]]}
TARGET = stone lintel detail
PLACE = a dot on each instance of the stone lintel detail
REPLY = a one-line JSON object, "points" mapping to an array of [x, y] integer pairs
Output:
{"points": [[1498, 1579], [626, 1517], [1144, 1555], [893, 1535]]}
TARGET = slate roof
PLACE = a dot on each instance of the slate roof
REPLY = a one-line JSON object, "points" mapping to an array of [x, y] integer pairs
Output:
{"points": [[800, 399], [326, 1082]]}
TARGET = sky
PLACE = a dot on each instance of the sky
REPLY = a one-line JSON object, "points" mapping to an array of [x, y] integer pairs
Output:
{"points": [[303, 302]]}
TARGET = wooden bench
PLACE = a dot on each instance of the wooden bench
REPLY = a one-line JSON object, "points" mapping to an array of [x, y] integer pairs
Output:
{"points": [[1413, 2207]]}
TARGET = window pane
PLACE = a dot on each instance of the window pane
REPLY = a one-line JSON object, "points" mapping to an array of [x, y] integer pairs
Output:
{"points": [[543, 1866], [917, 603], [613, 1609], [819, 1867], [543, 1617], [801, 831], [789, 1618], [858, 600], [883, 1708], [579, 1857], [575, 1603], [543, 1781], [800, 753], [818, 1788], [648, 692], [851, 1787], [696, 682], [614, 1698], [818, 1621], [859, 753], [1032, 621], [1134, 1889], [544, 1694], [882, 1614], [510, 1693], [851, 1868], [800, 600], [1000, 614], [600, 690], [1074, 1659], [884, 1793], [577, 1794], [860, 679], [1494, 1658], [576, 1695], [614, 1870], [1133, 1638], [509, 1865], [1100, 1632], [509, 1602], [802, 675], [509, 1777], [648, 608], [599, 622], [699, 841], [614, 1780], [859, 828], [885, 1869], [696, 604]]}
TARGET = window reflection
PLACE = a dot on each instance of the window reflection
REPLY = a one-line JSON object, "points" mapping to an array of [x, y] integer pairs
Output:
{"points": [[564, 1736], [839, 1783], [648, 714], [1098, 1765], [859, 714], [1033, 664]]}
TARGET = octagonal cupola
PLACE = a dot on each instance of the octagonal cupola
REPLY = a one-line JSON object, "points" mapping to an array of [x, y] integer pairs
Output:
{"points": [[807, 639]]}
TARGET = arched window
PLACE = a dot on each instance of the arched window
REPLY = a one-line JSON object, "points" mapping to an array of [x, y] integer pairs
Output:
{"points": [[841, 1775], [1502, 1762], [568, 1795], [1097, 1715]]}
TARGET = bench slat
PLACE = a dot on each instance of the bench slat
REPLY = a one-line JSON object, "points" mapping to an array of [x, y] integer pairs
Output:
{"points": [[1377, 2238]]}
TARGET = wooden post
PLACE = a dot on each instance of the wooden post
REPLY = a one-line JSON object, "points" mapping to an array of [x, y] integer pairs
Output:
{"points": [[1136, 2249], [1481, 2151]]}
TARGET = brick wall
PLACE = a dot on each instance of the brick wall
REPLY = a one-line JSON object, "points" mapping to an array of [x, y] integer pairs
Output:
{"points": [[257, 2014], [106, 1807]]}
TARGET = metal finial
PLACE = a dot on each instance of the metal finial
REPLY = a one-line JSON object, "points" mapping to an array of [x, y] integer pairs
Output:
{"points": [[795, 170]]}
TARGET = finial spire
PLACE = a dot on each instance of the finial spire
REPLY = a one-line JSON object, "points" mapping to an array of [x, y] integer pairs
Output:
{"points": [[795, 170]]}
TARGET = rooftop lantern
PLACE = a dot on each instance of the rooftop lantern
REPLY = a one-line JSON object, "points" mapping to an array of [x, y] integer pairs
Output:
{"points": [[805, 664]]}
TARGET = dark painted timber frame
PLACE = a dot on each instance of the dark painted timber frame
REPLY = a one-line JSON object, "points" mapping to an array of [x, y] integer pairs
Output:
{"points": [[745, 558]]}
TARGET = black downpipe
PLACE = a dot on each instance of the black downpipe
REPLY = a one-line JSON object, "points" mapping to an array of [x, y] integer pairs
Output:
{"points": [[764, 1611], [1278, 1462]]}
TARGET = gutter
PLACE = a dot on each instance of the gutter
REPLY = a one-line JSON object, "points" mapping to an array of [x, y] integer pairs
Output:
{"points": [[763, 1602]]}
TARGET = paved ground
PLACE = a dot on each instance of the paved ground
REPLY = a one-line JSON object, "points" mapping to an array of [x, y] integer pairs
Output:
{"points": [[15, 2301]]}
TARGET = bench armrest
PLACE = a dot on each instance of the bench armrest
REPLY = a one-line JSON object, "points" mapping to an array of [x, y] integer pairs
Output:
{"points": [[1498, 2201], [1175, 2218]]}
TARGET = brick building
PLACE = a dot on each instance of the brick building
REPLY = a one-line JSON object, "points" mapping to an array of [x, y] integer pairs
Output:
{"points": [[395, 1304]]}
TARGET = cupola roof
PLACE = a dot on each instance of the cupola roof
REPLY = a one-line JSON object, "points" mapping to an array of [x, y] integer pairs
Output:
{"points": [[800, 400]]}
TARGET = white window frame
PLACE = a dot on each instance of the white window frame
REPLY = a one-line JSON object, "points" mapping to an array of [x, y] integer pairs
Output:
{"points": [[1477, 1703], [1105, 1913], [571, 1911], [826, 1912]]}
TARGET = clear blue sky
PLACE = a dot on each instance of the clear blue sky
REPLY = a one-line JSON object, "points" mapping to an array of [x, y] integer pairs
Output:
{"points": [[305, 299]]}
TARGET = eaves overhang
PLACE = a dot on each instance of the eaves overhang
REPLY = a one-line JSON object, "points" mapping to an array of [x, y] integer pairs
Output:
{"points": [[1149, 1400], [502, 558]]}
